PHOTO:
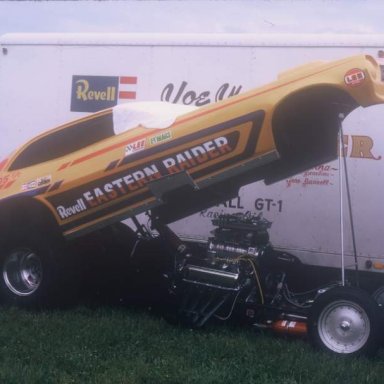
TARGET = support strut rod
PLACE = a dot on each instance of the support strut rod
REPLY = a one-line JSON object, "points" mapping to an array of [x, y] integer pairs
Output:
{"points": [[343, 169]]}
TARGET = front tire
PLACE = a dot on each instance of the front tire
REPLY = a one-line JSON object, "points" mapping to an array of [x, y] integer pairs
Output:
{"points": [[345, 320], [378, 296]]}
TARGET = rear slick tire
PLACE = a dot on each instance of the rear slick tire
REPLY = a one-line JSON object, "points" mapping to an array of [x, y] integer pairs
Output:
{"points": [[345, 321], [31, 269]]}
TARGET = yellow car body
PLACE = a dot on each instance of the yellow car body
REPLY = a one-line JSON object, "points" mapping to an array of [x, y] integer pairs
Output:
{"points": [[85, 176]]}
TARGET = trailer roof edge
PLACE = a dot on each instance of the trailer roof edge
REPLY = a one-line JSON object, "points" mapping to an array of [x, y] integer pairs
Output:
{"points": [[188, 39]]}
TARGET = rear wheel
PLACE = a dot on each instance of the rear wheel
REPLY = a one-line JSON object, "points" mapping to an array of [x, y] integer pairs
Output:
{"points": [[22, 271], [345, 320], [32, 268]]}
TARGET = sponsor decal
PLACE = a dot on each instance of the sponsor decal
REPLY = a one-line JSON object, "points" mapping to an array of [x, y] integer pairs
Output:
{"points": [[160, 137], [184, 94], [110, 189], [354, 77], [267, 204], [66, 212], [39, 182], [354, 147], [197, 155], [7, 180], [29, 186], [320, 176], [93, 93], [210, 152], [43, 180], [359, 147], [125, 183], [134, 147], [261, 205]]}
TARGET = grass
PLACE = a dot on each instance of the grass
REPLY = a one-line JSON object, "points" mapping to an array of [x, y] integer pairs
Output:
{"points": [[116, 345]]}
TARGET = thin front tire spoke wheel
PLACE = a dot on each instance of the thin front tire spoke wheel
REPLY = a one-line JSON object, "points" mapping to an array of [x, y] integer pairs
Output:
{"points": [[345, 321], [344, 327]]}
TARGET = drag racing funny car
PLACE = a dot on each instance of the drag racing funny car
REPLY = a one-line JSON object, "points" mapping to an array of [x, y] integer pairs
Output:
{"points": [[170, 161]]}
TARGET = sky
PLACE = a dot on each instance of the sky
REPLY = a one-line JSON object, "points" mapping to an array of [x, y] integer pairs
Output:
{"points": [[194, 16]]}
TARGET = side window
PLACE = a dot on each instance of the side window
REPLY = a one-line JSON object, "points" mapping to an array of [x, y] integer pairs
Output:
{"points": [[65, 141]]}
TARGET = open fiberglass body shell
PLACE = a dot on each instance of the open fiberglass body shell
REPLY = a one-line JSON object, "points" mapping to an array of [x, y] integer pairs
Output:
{"points": [[120, 162]]}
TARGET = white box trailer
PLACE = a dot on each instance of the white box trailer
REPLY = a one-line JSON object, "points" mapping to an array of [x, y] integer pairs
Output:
{"points": [[48, 79]]}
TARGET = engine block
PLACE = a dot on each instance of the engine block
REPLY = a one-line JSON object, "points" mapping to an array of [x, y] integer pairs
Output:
{"points": [[237, 238]]}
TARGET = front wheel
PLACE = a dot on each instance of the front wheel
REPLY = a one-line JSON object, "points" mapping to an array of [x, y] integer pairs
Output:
{"points": [[345, 320]]}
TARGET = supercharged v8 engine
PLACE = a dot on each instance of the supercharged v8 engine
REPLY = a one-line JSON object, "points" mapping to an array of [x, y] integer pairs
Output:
{"points": [[237, 238], [238, 267]]}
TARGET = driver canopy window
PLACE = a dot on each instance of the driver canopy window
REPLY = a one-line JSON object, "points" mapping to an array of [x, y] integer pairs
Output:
{"points": [[65, 141]]}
